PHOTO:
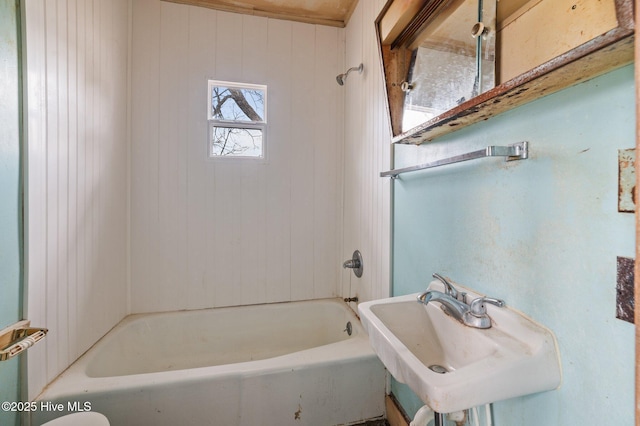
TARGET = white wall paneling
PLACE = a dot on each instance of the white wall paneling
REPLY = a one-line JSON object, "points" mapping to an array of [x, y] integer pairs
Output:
{"points": [[77, 153], [120, 181], [216, 232], [278, 193], [367, 198]]}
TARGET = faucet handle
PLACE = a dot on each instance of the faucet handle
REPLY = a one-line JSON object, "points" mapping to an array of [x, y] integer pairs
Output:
{"points": [[478, 308], [448, 287], [354, 263]]}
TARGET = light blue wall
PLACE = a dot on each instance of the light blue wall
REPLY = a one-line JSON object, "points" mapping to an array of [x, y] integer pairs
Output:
{"points": [[542, 234], [10, 196]]}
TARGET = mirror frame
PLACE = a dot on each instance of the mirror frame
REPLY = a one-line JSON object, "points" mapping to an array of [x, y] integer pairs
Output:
{"points": [[597, 56]]}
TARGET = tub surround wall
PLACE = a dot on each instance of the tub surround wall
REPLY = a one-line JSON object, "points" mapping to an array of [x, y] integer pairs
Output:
{"points": [[77, 162], [367, 152], [209, 233], [185, 210]]}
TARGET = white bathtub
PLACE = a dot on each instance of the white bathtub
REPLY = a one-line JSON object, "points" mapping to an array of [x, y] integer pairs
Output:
{"points": [[278, 364]]}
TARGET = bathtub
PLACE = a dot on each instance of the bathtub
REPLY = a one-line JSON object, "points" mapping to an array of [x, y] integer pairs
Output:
{"points": [[277, 364]]}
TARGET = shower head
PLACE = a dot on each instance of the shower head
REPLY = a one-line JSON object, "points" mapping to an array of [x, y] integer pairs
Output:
{"points": [[342, 77]]}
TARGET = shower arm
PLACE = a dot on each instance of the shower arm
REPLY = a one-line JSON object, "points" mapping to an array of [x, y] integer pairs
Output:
{"points": [[359, 68], [342, 77]]}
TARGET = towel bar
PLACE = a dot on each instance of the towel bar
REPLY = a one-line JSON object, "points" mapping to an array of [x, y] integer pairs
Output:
{"points": [[516, 151]]}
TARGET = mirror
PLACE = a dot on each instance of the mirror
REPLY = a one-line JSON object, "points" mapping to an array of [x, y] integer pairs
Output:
{"points": [[453, 61], [444, 56]]}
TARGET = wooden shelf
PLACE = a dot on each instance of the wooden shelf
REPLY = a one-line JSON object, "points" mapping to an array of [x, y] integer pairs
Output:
{"points": [[598, 56]]}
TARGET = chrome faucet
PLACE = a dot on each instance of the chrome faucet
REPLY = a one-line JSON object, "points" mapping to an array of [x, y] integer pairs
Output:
{"points": [[477, 315], [450, 289], [451, 306], [472, 315]]}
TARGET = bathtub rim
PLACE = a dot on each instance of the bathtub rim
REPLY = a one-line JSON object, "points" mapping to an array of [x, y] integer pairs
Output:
{"points": [[74, 381]]}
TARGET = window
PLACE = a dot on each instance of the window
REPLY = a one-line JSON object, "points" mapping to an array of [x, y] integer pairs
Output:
{"points": [[237, 120]]}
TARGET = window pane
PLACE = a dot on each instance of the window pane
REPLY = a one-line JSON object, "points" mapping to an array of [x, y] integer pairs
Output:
{"points": [[237, 104], [235, 142]]}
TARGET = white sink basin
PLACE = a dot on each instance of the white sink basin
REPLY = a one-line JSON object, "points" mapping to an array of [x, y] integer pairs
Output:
{"points": [[515, 357]]}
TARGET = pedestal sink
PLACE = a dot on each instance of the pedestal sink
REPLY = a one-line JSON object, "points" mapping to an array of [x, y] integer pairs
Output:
{"points": [[453, 367]]}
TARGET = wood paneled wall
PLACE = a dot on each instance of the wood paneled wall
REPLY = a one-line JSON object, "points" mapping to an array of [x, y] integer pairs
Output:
{"points": [[77, 176], [367, 201], [232, 232]]}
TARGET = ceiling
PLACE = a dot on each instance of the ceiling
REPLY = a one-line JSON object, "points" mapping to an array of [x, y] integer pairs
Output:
{"points": [[334, 13]]}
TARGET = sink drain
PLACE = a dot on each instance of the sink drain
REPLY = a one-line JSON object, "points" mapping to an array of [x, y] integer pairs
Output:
{"points": [[438, 369]]}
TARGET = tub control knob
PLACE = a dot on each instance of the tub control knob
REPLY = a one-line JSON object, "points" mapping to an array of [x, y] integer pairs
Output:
{"points": [[354, 263]]}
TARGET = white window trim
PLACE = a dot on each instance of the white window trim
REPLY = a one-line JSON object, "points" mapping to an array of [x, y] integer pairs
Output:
{"points": [[258, 125]]}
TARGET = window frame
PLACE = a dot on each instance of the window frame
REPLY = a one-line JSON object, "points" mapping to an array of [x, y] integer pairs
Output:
{"points": [[213, 123]]}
